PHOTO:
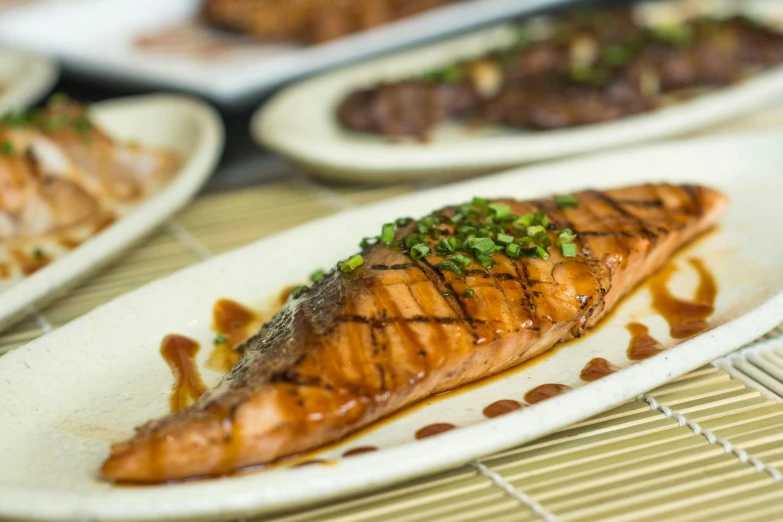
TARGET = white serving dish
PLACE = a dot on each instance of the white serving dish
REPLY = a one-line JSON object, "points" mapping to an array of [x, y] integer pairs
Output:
{"points": [[68, 395], [191, 129], [300, 122], [95, 38], [24, 79]]}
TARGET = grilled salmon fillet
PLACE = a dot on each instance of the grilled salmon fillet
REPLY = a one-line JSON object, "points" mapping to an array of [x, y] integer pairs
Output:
{"points": [[360, 345]]}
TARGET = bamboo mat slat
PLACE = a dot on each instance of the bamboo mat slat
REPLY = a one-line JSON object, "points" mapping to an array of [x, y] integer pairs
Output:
{"points": [[633, 462]]}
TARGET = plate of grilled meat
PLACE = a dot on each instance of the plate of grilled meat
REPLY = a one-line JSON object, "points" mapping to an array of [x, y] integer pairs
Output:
{"points": [[416, 334], [80, 183], [547, 87], [232, 50]]}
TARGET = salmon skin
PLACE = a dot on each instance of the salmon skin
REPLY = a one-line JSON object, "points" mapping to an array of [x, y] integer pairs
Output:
{"points": [[361, 345]]}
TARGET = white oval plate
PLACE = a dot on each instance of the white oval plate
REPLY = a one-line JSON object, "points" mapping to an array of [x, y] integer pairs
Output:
{"points": [[300, 122], [24, 79], [191, 129], [65, 397], [95, 38]]}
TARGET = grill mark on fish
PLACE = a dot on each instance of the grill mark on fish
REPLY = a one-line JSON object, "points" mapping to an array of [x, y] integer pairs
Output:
{"points": [[648, 203], [622, 211], [399, 266], [616, 238], [380, 323], [693, 194], [606, 233], [452, 299]]}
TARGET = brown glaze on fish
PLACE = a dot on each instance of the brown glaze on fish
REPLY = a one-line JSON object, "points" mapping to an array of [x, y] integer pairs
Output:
{"points": [[360, 346]]}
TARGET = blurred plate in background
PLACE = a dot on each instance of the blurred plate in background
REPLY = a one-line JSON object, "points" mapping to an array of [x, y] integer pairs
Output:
{"points": [[24, 79], [301, 121], [189, 128], [156, 43]]}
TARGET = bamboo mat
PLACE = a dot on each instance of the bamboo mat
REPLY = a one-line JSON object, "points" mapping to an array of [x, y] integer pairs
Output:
{"points": [[703, 447]]}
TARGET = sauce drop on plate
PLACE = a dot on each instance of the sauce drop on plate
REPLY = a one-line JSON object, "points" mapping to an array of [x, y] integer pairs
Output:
{"points": [[642, 346], [596, 369], [501, 407], [179, 353], [544, 392], [234, 324], [359, 450], [685, 318], [434, 429]]}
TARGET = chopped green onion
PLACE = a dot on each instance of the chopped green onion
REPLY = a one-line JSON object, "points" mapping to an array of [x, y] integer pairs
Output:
{"points": [[500, 210], [422, 227], [56, 123], [526, 240], [220, 339], [467, 293], [401, 222], [616, 56], [456, 218], [485, 261], [462, 260], [535, 229], [449, 264], [568, 249], [482, 246], [542, 239], [387, 233], [529, 253], [566, 236], [505, 239], [318, 274], [411, 240], [299, 291], [351, 263], [480, 202], [513, 250], [542, 253], [58, 98], [7, 148], [524, 221], [452, 74], [368, 242], [499, 248], [419, 251], [566, 201], [445, 247], [541, 219], [16, 119], [522, 37], [678, 35]]}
